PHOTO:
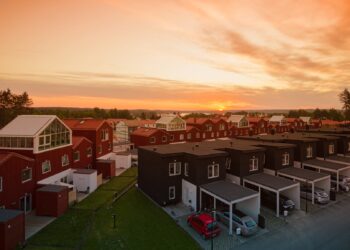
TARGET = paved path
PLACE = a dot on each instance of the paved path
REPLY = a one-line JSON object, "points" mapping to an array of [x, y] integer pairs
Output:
{"points": [[327, 228]]}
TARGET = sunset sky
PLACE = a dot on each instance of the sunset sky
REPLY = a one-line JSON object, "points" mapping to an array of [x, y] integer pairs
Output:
{"points": [[183, 55]]}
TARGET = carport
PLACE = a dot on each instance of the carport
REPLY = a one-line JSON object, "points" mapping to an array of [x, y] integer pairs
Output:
{"points": [[245, 199], [275, 184], [330, 167], [320, 180]]}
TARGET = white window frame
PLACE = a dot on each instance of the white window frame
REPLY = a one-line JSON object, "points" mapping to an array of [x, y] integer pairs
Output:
{"points": [[64, 160], [152, 140], [331, 149], [181, 137], [189, 136], [253, 164], [174, 168], [228, 163], [99, 148], [1, 183], [172, 137], [309, 152], [211, 170], [78, 153], [49, 166], [198, 135], [164, 139], [31, 174], [285, 159], [172, 190], [186, 171], [89, 152]]}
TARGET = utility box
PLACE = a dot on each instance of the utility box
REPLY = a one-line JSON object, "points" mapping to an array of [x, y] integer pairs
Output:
{"points": [[106, 167], [12, 228], [51, 200], [85, 180], [123, 159]]}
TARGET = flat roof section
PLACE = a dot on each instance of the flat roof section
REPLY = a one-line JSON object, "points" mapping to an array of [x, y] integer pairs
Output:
{"points": [[301, 173], [85, 171], [270, 181], [8, 214], [326, 164], [344, 159], [229, 191], [52, 188]]}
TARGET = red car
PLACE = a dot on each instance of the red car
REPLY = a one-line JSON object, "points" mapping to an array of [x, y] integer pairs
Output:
{"points": [[204, 224]]}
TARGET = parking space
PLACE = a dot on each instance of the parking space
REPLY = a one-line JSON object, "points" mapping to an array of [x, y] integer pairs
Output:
{"points": [[275, 185]]}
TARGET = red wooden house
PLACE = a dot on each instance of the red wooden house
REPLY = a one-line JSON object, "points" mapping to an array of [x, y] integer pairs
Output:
{"points": [[149, 136], [82, 152]]}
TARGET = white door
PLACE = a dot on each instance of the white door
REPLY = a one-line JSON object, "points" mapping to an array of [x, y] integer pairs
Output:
{"points": [[189, 194]]}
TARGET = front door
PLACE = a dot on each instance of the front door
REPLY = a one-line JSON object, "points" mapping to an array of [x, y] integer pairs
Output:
{"points": [[25, 203]]}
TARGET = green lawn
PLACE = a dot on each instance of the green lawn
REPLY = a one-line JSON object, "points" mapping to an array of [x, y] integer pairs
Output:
{"points": [[140, 223]]}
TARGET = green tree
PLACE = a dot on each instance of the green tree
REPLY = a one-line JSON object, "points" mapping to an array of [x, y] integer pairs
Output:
{"points": [[12, 105], [344, 97]]}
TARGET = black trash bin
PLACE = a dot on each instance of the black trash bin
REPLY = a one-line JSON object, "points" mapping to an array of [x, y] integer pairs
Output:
{"points": [[332, 195], [261, 221]]}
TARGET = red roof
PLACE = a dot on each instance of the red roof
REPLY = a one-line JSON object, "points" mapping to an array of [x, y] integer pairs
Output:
{"points": [[146, 132], [84, 124], [4, 156], [330, 122], [189, 128], [218, 119], [76, 140], [254, 119], [199, 120]]}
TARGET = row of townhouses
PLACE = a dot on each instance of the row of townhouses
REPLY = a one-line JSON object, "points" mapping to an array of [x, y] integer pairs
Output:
{"points": [[232, 173], [171, 128]]}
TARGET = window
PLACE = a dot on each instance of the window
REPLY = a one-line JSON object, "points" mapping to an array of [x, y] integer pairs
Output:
{"points": [[213, 171], [76, 156], [172, 193], [55, 135], [89, 152], [349, 146], [212, 134], [152, 139], [331, 149], [225, 133], [171, 137], [222, 126], [164, 138], [217, 134], [203, 135], [99, 149], [182, 137], [104, 135], [189, 136], [64, 160], [26, 174], [253, 164], [186, 169], [309, 152], [109, 146], [0, 183], [228, 163], [174, 168], [285, 159], [46, 166], [198, 135]]}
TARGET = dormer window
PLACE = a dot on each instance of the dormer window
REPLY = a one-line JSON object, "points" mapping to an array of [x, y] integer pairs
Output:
{"points": [[228, 163], [213, 171]]}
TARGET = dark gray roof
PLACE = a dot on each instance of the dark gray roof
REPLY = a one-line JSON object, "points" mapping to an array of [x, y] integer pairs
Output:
{"points": [[303, 173], [52, 188], [8, 214], [85, 171], [296, 137], [123, 153], [344, 159], [270, 181], [104, 161], [326, 164], [331, 130], [228, 191], [320, 136]]}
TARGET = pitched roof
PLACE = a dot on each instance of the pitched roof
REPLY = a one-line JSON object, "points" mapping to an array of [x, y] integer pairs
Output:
{"points": [[84, 124], [189, 128], [254, 119], [305, 118], [4, 156], [132, 123], [276, 118], [197, 120], [76, 140], [146, 132], [236, 118], [291, 119], [167, 118], [27, 125]]}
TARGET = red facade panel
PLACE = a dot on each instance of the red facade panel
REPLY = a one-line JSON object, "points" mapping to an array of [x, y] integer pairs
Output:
{"points": [[51, 203], [12, 232], [106, 167], [84, 159]]}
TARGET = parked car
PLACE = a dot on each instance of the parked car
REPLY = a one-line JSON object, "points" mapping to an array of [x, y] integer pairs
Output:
{"points": [[342, 178], [269, 199], [239, 220], [344, 186], [204, 224], [319, 194]]}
